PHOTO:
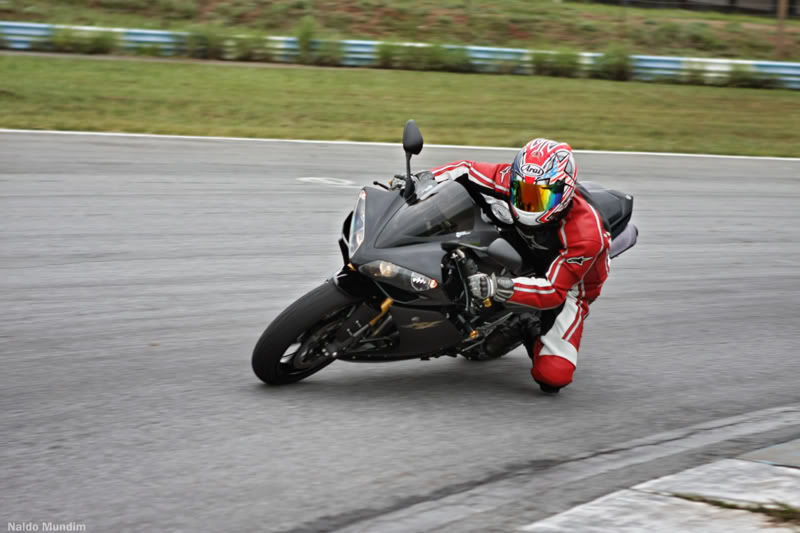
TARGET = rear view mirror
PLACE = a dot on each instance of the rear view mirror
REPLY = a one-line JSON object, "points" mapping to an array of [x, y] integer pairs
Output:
{"points": [[412, 144], [501, 251], [412, 138]]}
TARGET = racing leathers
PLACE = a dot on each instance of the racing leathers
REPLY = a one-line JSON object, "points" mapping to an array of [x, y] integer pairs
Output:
{"points": [[570, 263]]}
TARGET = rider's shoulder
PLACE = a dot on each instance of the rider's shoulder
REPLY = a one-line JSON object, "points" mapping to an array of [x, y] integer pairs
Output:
{"points": [[491, 168], [583, 223]]}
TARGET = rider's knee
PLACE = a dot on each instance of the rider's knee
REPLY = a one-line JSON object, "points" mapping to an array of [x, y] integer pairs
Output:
{"points": [[553, 370]]}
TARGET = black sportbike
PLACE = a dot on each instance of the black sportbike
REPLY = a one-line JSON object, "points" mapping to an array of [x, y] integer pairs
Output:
{"points": [[402, 293]]}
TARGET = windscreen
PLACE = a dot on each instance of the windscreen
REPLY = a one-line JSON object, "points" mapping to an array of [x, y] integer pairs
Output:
{"points": [[445, 210]]}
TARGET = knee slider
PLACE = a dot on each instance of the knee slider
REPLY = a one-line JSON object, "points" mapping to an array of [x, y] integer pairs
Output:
{"points": [[553, 370]]}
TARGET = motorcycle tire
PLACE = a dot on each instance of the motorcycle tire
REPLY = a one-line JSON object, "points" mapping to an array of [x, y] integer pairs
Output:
{"points": [[307, 321]]}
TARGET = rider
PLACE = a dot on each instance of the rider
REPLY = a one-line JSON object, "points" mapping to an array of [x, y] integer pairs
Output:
{"points": [[566, 244]]}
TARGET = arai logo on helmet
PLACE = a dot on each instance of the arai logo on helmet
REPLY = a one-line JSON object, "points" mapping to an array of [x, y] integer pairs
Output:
{"points": [[532, 170]]}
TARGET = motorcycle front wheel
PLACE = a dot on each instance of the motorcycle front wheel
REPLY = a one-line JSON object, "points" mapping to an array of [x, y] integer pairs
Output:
{"points": [[290, 349]]}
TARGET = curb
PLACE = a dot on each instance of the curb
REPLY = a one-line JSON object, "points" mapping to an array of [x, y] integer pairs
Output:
{"points": [[727, 496], [366, 53]]}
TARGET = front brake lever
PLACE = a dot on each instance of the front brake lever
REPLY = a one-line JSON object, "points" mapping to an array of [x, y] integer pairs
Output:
{"points": [[379, 184]]}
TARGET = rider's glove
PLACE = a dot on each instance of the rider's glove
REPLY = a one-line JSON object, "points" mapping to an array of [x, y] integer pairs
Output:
{"points": [[397, 182], [484, 286]]}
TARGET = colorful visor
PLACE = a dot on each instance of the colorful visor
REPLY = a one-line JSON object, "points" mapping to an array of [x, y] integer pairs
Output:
{"points": [[535, 197]]}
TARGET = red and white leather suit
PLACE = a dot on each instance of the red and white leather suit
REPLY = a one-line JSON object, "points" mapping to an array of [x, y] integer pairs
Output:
{"points": [[573, 280]]}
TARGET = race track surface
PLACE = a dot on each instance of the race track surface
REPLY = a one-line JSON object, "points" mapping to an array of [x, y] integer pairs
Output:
{"points": [[137, 274]]}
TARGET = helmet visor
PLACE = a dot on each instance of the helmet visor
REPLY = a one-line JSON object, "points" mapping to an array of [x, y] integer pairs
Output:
{"points": [[536, 197]]}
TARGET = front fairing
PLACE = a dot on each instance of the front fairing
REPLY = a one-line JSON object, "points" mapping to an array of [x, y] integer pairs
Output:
{"points": [[443, 212], [391, 225]]}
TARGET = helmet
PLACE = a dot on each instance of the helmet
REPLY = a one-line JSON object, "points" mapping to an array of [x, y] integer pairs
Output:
{"points": [[542, 184]]}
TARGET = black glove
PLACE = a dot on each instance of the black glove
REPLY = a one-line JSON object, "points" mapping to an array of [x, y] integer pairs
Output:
{"points": [[490, 286]]}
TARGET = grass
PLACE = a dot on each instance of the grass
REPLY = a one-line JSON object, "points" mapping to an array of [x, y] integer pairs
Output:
{"points": [[778, 513], [542, 24], [195, 98]]}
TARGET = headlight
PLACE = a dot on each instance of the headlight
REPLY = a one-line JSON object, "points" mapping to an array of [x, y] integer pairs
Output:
{"points": [[398, 276], [358, 223]]}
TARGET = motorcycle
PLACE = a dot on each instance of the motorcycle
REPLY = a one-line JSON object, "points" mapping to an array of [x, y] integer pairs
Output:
{"points": [[408, 248]]}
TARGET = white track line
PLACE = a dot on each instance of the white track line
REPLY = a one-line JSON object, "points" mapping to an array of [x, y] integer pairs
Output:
{"points": [[364, 143]]}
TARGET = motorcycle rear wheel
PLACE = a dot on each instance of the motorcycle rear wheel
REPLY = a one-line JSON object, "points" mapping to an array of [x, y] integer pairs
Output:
{"points": [[289, 350]]}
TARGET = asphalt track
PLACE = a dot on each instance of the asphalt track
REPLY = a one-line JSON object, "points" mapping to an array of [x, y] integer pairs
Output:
{"points": [[137, 273]]}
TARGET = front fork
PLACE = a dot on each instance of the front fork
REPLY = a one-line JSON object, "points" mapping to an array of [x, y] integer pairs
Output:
{"points": [[363, 321]]}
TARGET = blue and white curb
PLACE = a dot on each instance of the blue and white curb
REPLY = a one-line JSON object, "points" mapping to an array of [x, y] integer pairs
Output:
{"points": [[361, 53]]}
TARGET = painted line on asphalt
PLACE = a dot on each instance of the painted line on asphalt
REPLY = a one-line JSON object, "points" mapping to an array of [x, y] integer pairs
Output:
{"points": [[519, 484], [366, 143], [331, 182]]}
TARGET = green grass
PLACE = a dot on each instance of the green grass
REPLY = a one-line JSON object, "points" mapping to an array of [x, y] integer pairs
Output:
{"points": [[542, 24], [68, 93], [778, 513]]}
